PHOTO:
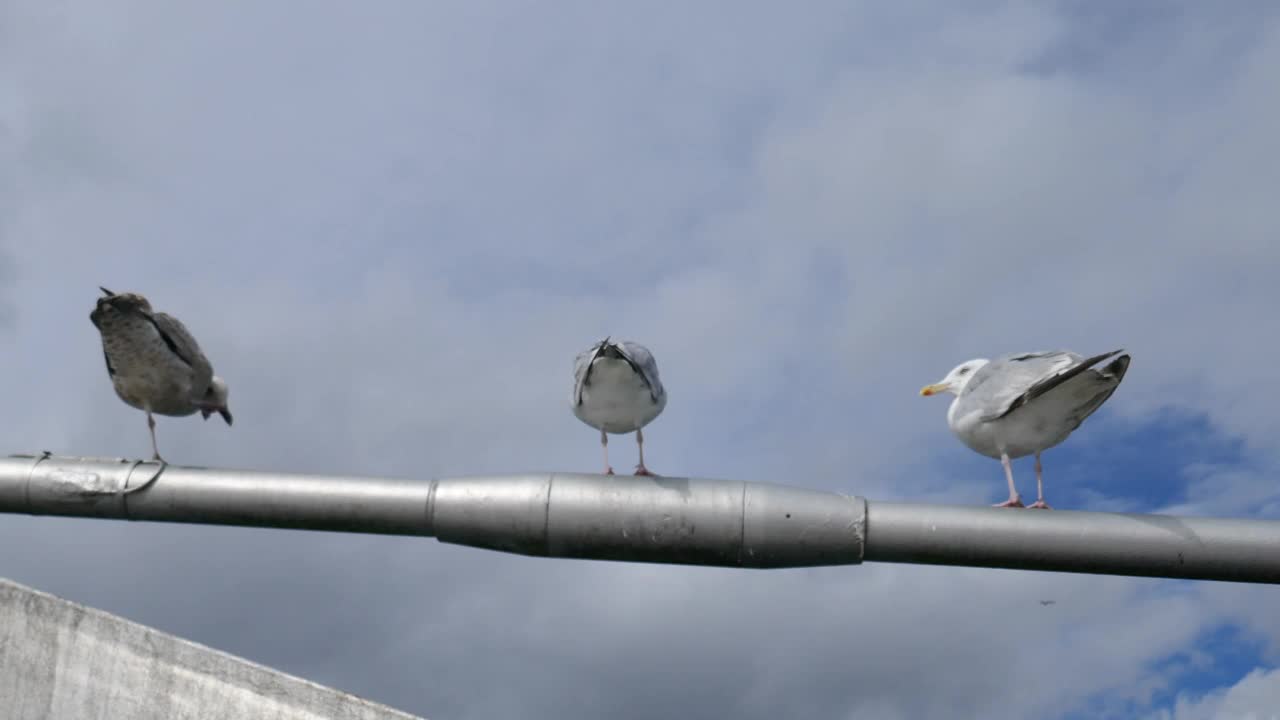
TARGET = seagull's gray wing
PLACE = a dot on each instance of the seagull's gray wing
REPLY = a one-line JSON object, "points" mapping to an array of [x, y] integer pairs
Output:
{"points": [[582, 369], [1004, 385], [642, 360], [177, 338]]}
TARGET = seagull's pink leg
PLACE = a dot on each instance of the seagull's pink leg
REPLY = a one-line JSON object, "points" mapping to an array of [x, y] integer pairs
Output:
{"points": [[151, 425], [1039, 504], [1014, 500], [604, 443], [641, 469]]}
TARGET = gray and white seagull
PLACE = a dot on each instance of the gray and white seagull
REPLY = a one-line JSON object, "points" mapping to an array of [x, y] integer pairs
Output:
{"points": [[154, 363], [616, 390], [1020, 405]]}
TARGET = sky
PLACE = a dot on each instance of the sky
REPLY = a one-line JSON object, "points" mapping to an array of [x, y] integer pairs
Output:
{"points": [[392, 225]]}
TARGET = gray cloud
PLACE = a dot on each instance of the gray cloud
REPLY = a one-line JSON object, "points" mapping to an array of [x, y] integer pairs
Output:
{"points": [[391, 229]]}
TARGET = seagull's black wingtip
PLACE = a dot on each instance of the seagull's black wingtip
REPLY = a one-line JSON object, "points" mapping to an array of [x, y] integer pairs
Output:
{"points": [[1118, 367]]}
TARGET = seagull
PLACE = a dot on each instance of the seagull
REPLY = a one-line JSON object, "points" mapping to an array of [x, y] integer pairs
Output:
{"points": [[155, 365], [616, 390], [1025, 404], [1047, 603]]}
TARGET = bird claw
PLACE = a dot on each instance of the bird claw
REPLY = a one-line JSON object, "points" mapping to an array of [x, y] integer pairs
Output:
{"points": [[1013, 502], [644, 471], [1039, 505], [608, 471]]}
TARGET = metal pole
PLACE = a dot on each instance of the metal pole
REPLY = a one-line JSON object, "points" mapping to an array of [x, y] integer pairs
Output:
{"points": [[1083, 542], [647, 519]]}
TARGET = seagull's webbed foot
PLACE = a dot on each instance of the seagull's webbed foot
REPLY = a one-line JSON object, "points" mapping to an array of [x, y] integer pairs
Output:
{"points": [[642, 470], [1039, 505], [608, 470], [1013, 502]]}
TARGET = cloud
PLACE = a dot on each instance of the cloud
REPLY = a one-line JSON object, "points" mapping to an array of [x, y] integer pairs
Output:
{"points": [[392, 229], [1255, 697]]}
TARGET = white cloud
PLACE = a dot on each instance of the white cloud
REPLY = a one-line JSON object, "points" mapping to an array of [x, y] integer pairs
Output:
{"points": [[1255, 697], [393, 227]]}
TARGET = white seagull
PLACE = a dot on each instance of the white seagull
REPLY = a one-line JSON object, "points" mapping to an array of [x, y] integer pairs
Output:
{"points": [[616, 390], [1024, 404], [154, 363]]}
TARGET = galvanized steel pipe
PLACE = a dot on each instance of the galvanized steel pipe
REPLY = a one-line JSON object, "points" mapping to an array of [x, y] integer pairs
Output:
{"points": [[1083, 542], [650, 519]]}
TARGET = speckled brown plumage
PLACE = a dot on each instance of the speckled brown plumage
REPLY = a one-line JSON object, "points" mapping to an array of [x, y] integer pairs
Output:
{"points": [[154, 363]]}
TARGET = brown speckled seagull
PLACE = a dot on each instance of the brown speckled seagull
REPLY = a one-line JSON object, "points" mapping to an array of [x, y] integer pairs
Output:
{"points": [[154, 363]]}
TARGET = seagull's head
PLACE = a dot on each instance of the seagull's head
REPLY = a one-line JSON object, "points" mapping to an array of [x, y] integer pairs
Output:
{"points": [[215, 400], [117, 303], [955, 380], [123, 302]]}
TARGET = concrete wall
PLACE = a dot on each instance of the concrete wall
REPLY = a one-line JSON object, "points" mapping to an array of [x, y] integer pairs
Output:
{"points": [[64, 661]]}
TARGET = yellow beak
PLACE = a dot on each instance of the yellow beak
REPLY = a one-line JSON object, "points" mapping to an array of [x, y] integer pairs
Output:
{"points": [[933, 389]]}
